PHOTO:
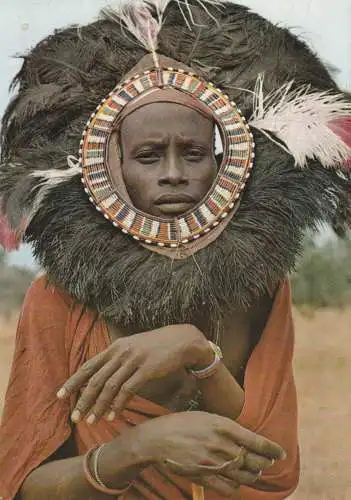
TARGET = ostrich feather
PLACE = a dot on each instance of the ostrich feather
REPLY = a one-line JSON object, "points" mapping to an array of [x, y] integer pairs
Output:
{"points": [[312, 125], [50, 179], [144, 18], [19, 214]]}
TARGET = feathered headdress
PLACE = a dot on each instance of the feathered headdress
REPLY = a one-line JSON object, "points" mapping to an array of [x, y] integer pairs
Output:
{"points": [[308, 124]]}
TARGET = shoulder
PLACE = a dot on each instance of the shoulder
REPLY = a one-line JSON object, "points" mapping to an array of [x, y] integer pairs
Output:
{"points": [[45, 305], [41, 337], [42, 294]]}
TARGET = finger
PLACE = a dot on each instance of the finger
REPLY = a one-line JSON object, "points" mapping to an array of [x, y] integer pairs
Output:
{"points": [[81, 376], [228, 471], [91, 392], [225, 480], [127, 390], [221, 485], [247, 460], [113, 388], [242, 476], [256, 463], [189, 471], [253, 442], [195, 470]]}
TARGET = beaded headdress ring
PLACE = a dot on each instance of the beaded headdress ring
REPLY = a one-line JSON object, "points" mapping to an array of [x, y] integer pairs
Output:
{"points": [[233, 172], [305, 123]]}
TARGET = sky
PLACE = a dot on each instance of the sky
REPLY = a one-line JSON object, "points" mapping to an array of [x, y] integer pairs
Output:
{"points": [[325, 26]]}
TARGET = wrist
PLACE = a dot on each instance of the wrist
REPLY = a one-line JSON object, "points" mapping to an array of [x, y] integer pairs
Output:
{"points": [[200, 354], [204, 359], [212, 368], [122, 460], [91, 463]]}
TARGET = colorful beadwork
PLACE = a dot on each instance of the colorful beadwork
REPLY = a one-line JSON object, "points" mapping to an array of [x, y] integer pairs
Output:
{"points": [[238, 154]]}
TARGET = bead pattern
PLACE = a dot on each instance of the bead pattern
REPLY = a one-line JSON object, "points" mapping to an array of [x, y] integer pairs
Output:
{"points": [[238, 155]]}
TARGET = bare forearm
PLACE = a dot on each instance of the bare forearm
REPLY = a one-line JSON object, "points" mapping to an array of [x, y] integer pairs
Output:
{"points": [[222, 394], [119, 463], [60, 479]]}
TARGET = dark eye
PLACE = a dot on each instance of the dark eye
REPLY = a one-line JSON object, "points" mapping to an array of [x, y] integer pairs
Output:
{"points": [[195, 154], [147, 157]]}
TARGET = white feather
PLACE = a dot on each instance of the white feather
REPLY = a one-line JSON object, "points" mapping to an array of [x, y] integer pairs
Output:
{"points": [[299, 118], [138, 17], [50, 179]]}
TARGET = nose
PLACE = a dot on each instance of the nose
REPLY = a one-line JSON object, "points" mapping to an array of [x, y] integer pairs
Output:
{"points": [[172, 172]]}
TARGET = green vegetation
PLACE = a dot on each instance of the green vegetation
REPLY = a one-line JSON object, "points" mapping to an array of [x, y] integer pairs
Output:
{"points": [[323, 276], [14, 282]]}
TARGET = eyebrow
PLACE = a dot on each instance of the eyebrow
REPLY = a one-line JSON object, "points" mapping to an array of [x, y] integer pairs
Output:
{"points": [[162, 142]]}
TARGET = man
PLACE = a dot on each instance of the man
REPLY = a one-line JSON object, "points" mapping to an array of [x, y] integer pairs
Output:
{"points": [[165, 288]]}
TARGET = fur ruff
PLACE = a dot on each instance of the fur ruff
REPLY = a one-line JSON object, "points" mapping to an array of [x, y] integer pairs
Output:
{"points": [[139, 289]]}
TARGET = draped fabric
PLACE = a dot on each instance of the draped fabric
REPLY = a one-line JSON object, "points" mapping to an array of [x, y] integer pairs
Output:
{"points": [[55, 337]]}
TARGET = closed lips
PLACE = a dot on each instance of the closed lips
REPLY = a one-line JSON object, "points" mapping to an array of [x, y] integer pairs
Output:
{"points": [[174, 198]]}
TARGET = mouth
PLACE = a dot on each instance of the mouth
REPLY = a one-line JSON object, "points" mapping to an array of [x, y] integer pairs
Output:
{"points": [[174, 204]]}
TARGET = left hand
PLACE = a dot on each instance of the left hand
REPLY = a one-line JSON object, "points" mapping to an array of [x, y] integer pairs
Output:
{"points": [[114, 376]]}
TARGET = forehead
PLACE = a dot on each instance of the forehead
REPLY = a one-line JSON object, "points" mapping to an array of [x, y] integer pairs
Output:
{"points": [[160, 119]]}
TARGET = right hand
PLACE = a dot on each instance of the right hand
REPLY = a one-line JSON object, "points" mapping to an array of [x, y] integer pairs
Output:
{"points": [[197, 444]]}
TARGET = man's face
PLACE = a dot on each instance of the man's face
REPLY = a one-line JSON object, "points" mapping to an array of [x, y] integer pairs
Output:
{"points": [[168, 160]]}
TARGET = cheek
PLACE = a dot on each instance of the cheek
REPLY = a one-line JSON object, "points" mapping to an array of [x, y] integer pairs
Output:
{"points": [[133, 179], [213, 170], [206, 173], [139, 183]]}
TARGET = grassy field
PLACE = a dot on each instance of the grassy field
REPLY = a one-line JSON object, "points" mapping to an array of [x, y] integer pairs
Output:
{"points": [[323, 375]]}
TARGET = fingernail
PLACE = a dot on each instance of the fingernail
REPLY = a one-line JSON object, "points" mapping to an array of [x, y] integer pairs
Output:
{"points": [[62, 393], [284, 456], [111, 416], [91, 419], [76, 416]]}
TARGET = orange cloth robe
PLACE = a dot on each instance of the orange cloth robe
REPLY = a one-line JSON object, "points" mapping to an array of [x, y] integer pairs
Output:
{"points": [[54, 338]]}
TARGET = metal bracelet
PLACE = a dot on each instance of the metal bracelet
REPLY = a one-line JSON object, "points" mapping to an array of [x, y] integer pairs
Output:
{"points": [[93, 478], [212, 368]]}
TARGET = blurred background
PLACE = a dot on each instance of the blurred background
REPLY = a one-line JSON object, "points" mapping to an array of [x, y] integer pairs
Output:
{"points": [[321, 284]]}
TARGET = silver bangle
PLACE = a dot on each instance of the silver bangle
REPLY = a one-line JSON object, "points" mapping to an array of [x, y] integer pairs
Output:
{"points": [[212, 368], [97, 477], [96, 457]]}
